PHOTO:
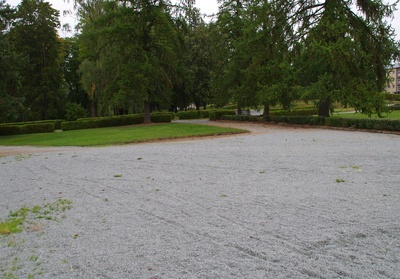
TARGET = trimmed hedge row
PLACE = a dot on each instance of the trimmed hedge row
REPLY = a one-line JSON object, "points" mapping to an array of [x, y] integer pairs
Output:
{"points": [[113, 121], [193, 114], [297, 112], [368, 124], [161, 117], [102, 122], [217, 114], [251, 118], [392, 97], [394, 107], [57, 123], [33, 128]]}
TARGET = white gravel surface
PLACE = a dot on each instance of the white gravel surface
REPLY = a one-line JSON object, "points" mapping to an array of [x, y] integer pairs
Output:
{"points": [[264, 205]]}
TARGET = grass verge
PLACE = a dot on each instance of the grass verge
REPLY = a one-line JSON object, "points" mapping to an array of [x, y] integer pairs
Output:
{"points": [[117, 135]]}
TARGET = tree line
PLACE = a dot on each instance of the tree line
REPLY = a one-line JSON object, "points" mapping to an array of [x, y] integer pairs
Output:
{"points": [[138, 56]]}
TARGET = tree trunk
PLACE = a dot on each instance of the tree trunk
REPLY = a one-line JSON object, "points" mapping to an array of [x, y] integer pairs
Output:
{"points": [[324, 108], [147, 117], [239, 110], [94, 109], [197, 104], [266, 110]]}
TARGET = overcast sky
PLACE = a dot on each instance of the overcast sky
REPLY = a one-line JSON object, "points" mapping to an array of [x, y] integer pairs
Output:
{"points": [[205, 6]]}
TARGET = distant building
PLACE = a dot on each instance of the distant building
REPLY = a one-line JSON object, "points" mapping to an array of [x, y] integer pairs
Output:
{"points": [[394, 85]]}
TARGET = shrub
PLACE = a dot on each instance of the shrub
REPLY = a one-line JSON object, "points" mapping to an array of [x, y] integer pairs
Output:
{"points": [[101, 122], [368, 124], [333, 121], [394, 107], [252, 118], [79, 125], [74, 111], [57, 123], [392, 97], [193, 114], [217, 114], [297, 112], [27, 128], [161, 117]]}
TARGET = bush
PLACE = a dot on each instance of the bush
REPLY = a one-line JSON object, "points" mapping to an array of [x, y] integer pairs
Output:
{"points": [[297, 112], [57, 123], [392, 97], [333, 121], [217, 114], [79, 125], [74, 111], [27, 129], [102, 122], [161, 117], [394, 107], [367, 124], [251, 118], [193, 114]]}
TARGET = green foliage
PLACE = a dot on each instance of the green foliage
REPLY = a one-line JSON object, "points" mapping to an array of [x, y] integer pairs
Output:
{"points": [[74, 111], [128, 55], [193, 114], [101, 122], [392, 97], [140, 56], [11, 102], [250, 118], [34, 37], [302, 120], [296, 112], [367, 124], [79, 125], [344, 56], [160, 117], [70, 69], [217, 114], [26, 128]]}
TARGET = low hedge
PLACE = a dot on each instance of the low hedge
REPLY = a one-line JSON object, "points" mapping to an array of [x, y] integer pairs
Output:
{"points": [[193, 114], [251, 118], [27, 128], [367, 124], [217, 114], [112, 121], [57, 123], [302, 120], [102, 122], [394, 107], [297, 112], [161, 117], [79, 125], [392, 97]]}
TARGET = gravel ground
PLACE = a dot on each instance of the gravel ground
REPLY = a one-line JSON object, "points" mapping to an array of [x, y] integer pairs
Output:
{"points": [[260, 205]]}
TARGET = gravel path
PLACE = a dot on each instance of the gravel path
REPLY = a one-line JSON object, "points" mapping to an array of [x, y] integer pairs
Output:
{"points": [[261, 205]]}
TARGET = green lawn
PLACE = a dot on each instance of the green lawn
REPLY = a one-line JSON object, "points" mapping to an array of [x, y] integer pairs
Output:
{"points": [[392, 115], [116, 135]]}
